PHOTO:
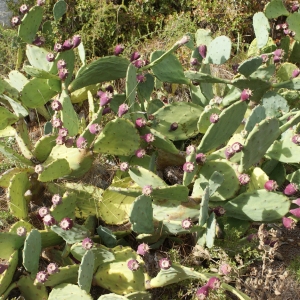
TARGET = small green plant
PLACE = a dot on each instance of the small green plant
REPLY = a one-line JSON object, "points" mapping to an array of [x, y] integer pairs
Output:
{"points": [[294, 267]]}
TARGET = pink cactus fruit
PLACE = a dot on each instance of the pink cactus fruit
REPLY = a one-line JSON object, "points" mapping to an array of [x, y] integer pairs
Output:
{"points": [[69, 142], [106, 110], [202, 50], [214, 118], [38, 169], [219, 211], [56, 122], [229, 152], [24, 9], [214, 283], [40, 2], [246, 94], [194, 61], [63, 73], [200, 158], [279, 52], [140, 122], [165, 263], [295, 73], [52, 268], [43, 211], [202, 292], [295, 212], [288, 223], [76, 40], [296, 201], [174, 126], [42, 276], [296, 139], [138, 63], [187, 223], [225, 269], [188, 167], [124, 166], [271, 185], [134, 56], [237, 147], [56, 199], [244, 179], [295, 7], [278, 27], [56, 105], [140, 78], [39, 41], [105, 98], [190, 149], [147, 190], [148, 137], [61, 64], [49, 220], [123, 109], [87, 243], [66, 223], [15, 21], [21, 231], [94, 128], [290, 189], [264, 58], [140, 153], [143, 249], [50, 57], [119, 49], [58, 47], [63, 132], [68, 44], [133, 264], [276, 59], [81, 143], [60, 140]]}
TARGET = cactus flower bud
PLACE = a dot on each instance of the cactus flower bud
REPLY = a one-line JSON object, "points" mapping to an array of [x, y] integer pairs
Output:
{"points": [[229, 152], [140, 78], [81, 143], [188, 167], [200, 158], [49, 220], [295, 73], [134, 56], [94, 128], [225, 269], [244, 179], [214, 118], [237, 147], [202, 292], [63, 132], [278, 27], [190, 149], [87, 243], [38, 169], [133, 264], [296, 139], [50, 57], [147, 190], [105, 98], [61, 64], [140, 122], [148, 137], [264, 58], [219, 211], [287, 32], [296, 201], [43, 211], [140, 153], [21, 231], [290, 189], [123, 109], [295, 212], [288, 223], [202, 50], [56, 199], [56, 105], [60, 140], [42, 276], [15, 21], [213, 283], [279, 53], [138, 63], [24, 9], [58, 47], [66, 224], [271, 185], [63, 73], [246, 94], [142, 249], [164, 263], [68, 44], [52, 268], [124, 166], [56, 122], [119, 49], [173, 126], [76, 39], [187, 223]]}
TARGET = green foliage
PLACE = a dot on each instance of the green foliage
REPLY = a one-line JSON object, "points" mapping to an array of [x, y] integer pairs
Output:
{"points": [[294, 267]]}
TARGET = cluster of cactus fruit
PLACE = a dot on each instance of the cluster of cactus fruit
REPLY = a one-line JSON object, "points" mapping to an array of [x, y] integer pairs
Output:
{"points": [[243, 138]]}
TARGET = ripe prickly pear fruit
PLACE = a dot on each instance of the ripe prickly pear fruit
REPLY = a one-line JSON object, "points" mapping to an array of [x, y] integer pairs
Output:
{"points": [[56, 199], [148, 137], [15, 21], [39, 41], [138, 63], [38, 169], [276, 59], [225, 269], [219, 211], [43, 211], [60, 140], [295, 212], [295, 73], [50, 57], [297, 201], [63, 132], [40, 2], [110, 89], [202, 292], [94, 128], [187, 223], [24, 9], [288, 223], [49, 220], [66, 224], [188, 167], [52, 268], [246, 94], [63, 73], [279, 52], [237, 147], [68, 44], [119, 49], [194, 61], [123, 109], [271, 185], [264, 58], [290, 189], [42, 276], [69, 142], [81, 143], [214, 118], [76, 40], [296, 139], [56, 123], [61, 64], [147, 190], [173, 126], [229, 152], [124, 166], [99, 93], [87, 243], [140, 122], [58, 47], [200, 158], [134, 56], [143, 249], [140, 78], [56, 105], [106, 110], [21, 231], [105, 98], [190, 149], [202, 50], [164, 263], [140, 153], [214, 283], [295, 7], [133, 264], [244, 179]]}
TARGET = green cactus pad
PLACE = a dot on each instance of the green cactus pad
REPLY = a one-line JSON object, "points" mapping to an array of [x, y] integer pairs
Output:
{"points": [[30, 291], [218, 51], [175, 192], [250, 65], [82, 94], [15, 226], [57, 256], [259, 205], [293, 22], [261, 29], [119, 137], [295, 52], [13, 156], [9, 242], [258, 141], [76, 234], [37, 57], [284, 72], [128, 191], [203, 77], [39, 73], [258, 114], [17, 80], [220, 132], [203, 212], [211, 231], [294, 177], [22, 139], [43, 147], [264, 72], [112, 297], [104, 69], [186, 114], [55, 169], [258, 178], [203, 122], [66, 209], [7, 276], [19, 184], [6, 118], [145, 89], [197, 96], [50, 238], [169, 69], [67, 291], [59, 9], [30, 24], [141, 215], [275, 9], [31, 252], [274, 104], [189, 176], [107, 237], [85, 273], [131, 84]]}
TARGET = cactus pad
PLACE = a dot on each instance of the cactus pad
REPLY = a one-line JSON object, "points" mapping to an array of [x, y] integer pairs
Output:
{"points": [[7, 276], [31, 252], [76, 234], [85, 273], [67, 291]]}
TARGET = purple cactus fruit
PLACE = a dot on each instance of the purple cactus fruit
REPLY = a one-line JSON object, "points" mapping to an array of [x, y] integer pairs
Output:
{"points": [[52, 268], [87, 243], [214, 283], [200, 158], [148, 137], [40, 2], [143, 249], [21, 231], [295, 73], [58, 47], [214, 118], [110, 89], [184, 40], [123, 109], [229, 152], [39, 41], [66, 224], [271, 185], [56, 105], [49, 220], [290, 189], [187, 223], [295, 7], [296, 139], [24, 9], [133, 264], [190, 149], [288, 223], [56, 199], [76, 40], [296, 201], [94, 128], [38, 169], [279, 52], [276, 59], [164, 263], [219, 211], [140, 78], [43, 211], [287, 31], [140, 153], [81, 143], [50, 57], [60, 140], [68, 44], [202, 292], [106, 110], [61, 64], [119, 49], [244, 179], [194, 61], [15, 21], [264, 58], [140, 122], [188, 167], [105, 98], [100, 93], [246, 94], [124, 166], [138, 63], [235, 68], [225, 269], [237, 147], [56, 123], [69, 142], [42, 276], [63, 73], [63, 132], [295, 212], [134, 56], [202, 50], [173, 127], [147, 190]]}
